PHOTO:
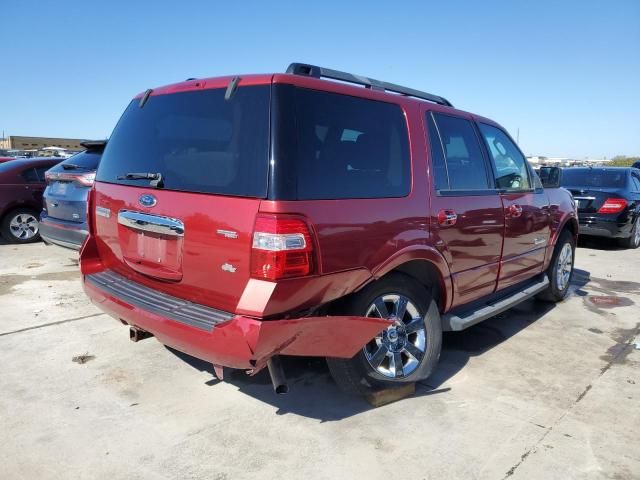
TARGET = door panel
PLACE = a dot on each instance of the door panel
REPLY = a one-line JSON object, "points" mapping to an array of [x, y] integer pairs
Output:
{"points": [[526, 236], [526, 209], [467, 218], [472, 245]]}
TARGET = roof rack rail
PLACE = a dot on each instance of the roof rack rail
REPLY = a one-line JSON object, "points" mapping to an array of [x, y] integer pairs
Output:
{"points": [[319, 72]]}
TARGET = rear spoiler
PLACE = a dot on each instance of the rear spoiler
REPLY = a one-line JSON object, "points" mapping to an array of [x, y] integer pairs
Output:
{"points": [[94, 145]]}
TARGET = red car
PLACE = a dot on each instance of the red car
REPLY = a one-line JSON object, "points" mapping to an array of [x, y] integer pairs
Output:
{"points": [[22, 183], [242, 218]]}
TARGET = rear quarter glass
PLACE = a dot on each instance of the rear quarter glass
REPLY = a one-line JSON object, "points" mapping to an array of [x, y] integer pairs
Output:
{"points": [[197, 140], [332, 146]]}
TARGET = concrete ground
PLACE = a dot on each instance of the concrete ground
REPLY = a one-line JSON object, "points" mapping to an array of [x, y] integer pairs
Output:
{"points": [[548, 392]]}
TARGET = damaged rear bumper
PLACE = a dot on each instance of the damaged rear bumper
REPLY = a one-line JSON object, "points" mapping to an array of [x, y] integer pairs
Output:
{"points": [[222, 338]]}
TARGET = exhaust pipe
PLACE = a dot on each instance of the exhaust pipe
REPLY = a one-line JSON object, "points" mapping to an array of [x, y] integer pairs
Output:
{"points": [[136, 334], [277, 375]]}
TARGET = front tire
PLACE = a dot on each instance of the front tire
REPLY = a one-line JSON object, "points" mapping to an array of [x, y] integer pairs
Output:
{"points": [[406, 352], [560, 270], [21, 226]]}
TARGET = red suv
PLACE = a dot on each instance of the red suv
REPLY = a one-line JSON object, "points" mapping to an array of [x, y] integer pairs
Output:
{"points": [[242, 218]]}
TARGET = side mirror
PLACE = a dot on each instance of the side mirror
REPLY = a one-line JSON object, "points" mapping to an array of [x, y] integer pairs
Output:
{"points": [[550, 176]]}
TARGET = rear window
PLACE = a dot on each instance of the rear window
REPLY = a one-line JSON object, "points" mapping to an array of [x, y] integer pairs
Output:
{"points": [[594, 178], [84, 160], [197, 140], [348, 147]]}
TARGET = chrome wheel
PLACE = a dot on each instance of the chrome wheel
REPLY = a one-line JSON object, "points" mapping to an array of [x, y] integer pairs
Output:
{"points": [[636, 235], [397, 351], [565, 265], [24, 226]]}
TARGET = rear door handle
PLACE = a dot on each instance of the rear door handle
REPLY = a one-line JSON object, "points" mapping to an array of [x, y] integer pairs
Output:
{"points": [[514, 211]]}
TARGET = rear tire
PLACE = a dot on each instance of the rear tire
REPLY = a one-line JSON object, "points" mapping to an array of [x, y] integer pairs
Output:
{"points": [[21, 226], [633, 241], [406, 352], [560, 269]]}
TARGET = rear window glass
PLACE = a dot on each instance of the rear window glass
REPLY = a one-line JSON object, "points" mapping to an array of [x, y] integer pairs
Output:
{"points": [[594, 178], [197, 140], [84, 160], [350, 147]]}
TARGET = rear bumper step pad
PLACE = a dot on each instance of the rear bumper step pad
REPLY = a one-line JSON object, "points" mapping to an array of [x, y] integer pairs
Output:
{"points": [[179, 310]]}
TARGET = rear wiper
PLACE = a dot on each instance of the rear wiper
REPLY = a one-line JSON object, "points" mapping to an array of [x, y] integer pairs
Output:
{"points": [[156, 178]]}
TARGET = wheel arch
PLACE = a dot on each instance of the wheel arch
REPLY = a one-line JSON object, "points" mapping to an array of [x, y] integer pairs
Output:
{"points": [[427, 267], [570, 223], [17, 206], [6, 218]]}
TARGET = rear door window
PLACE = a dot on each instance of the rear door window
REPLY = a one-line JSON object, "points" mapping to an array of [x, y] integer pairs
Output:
{"points": [[349, 147], [30, 175], [464, 165], [438, 162], [40, 171], [511, 171], [197, 140]]}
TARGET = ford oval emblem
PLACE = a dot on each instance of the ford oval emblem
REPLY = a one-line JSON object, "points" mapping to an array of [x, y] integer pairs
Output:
{"points": [[147, 200]]}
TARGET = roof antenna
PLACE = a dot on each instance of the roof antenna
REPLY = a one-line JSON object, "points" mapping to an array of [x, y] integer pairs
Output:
{"points": [[231, 88], [145, 97]]}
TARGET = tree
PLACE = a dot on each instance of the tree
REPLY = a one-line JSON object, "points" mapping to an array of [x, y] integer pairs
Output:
{"points": [[623, 161]]}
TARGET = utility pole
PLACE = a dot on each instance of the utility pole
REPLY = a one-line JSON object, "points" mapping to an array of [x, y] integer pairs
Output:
{"points": [[518, 136]]}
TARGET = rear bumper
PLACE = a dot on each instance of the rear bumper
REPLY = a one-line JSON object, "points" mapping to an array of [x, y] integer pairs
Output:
{"points": [[223, 338], [604, 227], [62, 233]]}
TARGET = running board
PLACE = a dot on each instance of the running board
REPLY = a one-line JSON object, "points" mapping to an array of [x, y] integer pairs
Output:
{"points": [[455, 322]]}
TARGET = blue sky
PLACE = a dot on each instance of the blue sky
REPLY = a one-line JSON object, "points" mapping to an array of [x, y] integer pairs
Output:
{"points": [[565, 73]]}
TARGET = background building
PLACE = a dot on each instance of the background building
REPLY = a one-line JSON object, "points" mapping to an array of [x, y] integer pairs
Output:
{"points": [[14, 142]]}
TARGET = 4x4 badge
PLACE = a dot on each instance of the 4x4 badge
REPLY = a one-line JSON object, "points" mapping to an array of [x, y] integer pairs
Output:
{"points": [[147, 200]]}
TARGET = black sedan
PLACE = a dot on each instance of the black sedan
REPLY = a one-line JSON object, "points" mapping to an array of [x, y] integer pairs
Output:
{"points": [[608, 200]]}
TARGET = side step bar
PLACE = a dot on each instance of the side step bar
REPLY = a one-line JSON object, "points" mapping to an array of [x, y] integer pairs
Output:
{"points": [[457, 322]]}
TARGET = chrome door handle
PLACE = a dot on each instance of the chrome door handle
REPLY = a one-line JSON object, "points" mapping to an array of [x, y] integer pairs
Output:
{"points": [[151, 223]]}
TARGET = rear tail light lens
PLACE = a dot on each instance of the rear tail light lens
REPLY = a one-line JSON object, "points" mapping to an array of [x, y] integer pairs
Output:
{"points": [[282, 248], [84, 179], [613, 205]]}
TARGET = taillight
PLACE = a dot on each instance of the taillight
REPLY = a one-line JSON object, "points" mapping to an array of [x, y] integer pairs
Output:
{"points": [[613, 205], [282, 248], [84, 179]]}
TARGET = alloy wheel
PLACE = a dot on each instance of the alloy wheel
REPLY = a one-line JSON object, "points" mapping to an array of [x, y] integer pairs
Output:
{"points": [[397, 351], [24, 226], [565, 265]]}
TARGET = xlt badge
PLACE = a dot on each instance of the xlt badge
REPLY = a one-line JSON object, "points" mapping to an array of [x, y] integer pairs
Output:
{"points": [[227, 267]]}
